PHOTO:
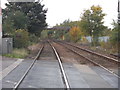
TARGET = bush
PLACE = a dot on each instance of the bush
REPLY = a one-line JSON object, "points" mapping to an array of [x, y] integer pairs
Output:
{"points": [[109, 47], [33, 38], [67, 37], [105, 45], [75, 34], [18, 53], [21, 39], [44, 34]]}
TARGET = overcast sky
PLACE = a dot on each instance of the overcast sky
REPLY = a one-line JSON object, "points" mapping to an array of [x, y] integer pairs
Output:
{"points": [[60, 10]]}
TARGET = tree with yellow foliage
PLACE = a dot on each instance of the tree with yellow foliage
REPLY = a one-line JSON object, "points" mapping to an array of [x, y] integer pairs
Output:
{"points": [[75, 33], [92, 23]]}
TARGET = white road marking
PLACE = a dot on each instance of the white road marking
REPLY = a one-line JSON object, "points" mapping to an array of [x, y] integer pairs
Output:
{"points": [[11, 82], [7, 70]]}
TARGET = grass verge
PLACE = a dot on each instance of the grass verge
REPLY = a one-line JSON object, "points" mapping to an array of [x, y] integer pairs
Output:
{"points": [[18, 53]]}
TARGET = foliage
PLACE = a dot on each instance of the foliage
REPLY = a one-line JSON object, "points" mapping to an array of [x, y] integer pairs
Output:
{"points": [[44, 34], [92, 24], [68, 23], [15, 20], [8, 26], [106, 45], [21, 38], [18, 53], [67, 37], [33, 38], [115, 35], [59, 34], [65, 23], [75, 33], [32, 10], [19, 19]]}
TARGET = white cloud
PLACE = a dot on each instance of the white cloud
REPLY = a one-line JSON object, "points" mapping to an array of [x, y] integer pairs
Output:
{"points": [[60, 10], [3, 3]]}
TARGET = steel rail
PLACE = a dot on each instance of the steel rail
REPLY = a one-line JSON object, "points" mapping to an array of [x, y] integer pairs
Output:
{"points": [[22, 78], [95, 63], [118, 56], [109, 58], [61, 67]]}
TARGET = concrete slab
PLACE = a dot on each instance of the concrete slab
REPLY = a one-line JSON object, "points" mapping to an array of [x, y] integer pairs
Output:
{"points": [[44, 74], [7, 70], [13, 77], [92, 78], [7, 62], [74, 76], [108, 77]]}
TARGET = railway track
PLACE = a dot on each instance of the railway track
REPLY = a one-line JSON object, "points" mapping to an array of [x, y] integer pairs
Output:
{"points": [[117, 56], [64, 76], [93, 57], [61, 68], [95, 53], [27, 71]]}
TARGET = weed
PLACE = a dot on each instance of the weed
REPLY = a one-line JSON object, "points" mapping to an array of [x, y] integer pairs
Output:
{"points": [[18, 53]]}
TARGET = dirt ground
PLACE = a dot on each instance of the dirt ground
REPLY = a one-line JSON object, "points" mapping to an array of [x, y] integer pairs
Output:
{"points": [[33, 49], [47, 53], [69, 57], [97, 49], [111, 65]]}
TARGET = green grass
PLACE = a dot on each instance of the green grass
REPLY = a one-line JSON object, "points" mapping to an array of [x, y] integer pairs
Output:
{"points": [[17, 53]]}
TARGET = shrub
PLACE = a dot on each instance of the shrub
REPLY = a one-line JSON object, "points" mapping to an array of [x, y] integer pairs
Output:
{"points": [[44, 34], [109, 47], [75, 34], [33, 38], [21, 38], [18, 53], [67, 37], [105, 45]]}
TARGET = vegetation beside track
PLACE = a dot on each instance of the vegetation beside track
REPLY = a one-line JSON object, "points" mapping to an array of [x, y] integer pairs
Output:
{"points": [[27, 27], [18, 53], [23, 23], [90, 31]]}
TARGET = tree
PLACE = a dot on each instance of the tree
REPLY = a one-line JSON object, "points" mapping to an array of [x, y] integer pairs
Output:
{"points": [[59, 34], [8, 27], [92, 23], [33, 10], [21, 38], [62, 30], [75, 33], [14, 20], [69, 23], [20, 20], [115, 35]]}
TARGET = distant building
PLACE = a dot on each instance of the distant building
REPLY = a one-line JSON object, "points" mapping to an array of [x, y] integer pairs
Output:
{"points": [[101, 39]]}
